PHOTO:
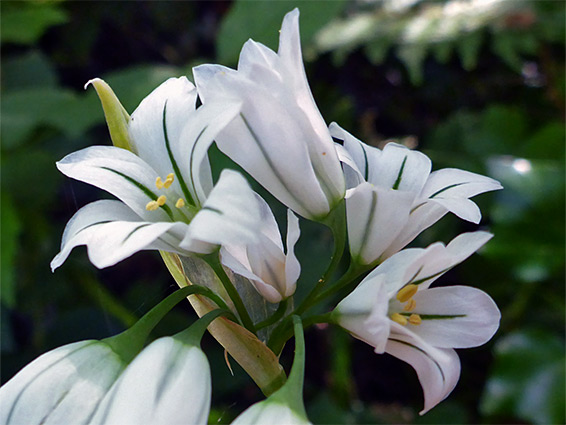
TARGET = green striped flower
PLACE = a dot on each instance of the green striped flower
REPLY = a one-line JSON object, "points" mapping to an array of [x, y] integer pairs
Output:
{"points": [[164, 184]]}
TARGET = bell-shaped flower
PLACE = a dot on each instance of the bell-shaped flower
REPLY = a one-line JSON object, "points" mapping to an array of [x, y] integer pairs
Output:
{"points": [[64, 384], [164, 185], [395, 310], [393, 196], [167, 383], [273, 272], [279, 135], [285, 406]]}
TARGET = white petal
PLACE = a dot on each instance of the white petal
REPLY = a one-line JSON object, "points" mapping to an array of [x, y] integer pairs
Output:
{"points": [[454, 183], [420, 218], [352, 173], [205, 77], [229, 216], [167, 383], [254, 53], [292, 265], [119, 172], [468, 316], [364, 313], [270, 412], [375, 216], [364, 156], [438, 369], [436, 259], [64, 385], [194, 141], [462, 208], [401, 168], [113, 232], [146, 128]]}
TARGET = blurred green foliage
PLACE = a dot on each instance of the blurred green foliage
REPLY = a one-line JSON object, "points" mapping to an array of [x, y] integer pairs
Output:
{"points": [[477, 85]]}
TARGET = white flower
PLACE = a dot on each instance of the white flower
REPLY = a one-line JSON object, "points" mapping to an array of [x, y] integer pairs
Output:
{"points": [[167, 383], [64, 385], [394, 310], [393, 196], [273, 272], [279, 136], [271, 412], [165, 187]]}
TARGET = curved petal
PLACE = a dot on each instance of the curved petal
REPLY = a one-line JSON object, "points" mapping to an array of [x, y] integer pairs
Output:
{"points": [[456, 316], [401, 168], [167, 383], [455, 183], [113, 232], [254, 53], [421, 218], [438, 369], [365, 157], [229, 216], [364, 313], [375, 216], [292, 265], [64, 385], [191, 152], [119, 172], [146, 129]]}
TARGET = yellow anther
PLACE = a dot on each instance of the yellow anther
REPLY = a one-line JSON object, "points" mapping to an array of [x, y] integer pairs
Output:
{"points": [[159, 183], [152, 206], [411, 304], [161, 200], [180, 203], [406, 293], [415, 319], [169, 180], [399, 318]]}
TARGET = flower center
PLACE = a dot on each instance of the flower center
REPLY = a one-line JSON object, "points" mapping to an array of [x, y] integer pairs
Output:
{"points": [[161, 200], [405, 295]]}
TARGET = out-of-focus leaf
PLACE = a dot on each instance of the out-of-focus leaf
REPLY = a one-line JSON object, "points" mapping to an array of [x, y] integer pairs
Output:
{"points": [[11, 227], [260, 21], [31, 69], [413, 56], [27, 22], [23, 111], [468, 49], [547, 143], [528, 378]]}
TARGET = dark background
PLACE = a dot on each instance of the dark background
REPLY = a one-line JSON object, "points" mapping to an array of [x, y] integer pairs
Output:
{"points": [[475, 85]]}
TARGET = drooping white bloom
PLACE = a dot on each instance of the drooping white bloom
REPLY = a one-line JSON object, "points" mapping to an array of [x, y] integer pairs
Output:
{"points": [[165, 187], [167, 383], [395, 310], [279, 136], [273, 272], [64, 385], [393, 196]]}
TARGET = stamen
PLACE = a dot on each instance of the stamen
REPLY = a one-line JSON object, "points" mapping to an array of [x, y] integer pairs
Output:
{"points": [[161, 200], [406, 293], [159, 183], [410, 305], [152, 206], [169, 180], [399, 318], [180, 203], [415, 319]]}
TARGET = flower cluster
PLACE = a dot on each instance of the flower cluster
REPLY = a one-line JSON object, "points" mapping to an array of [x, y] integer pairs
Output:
{"points": [[219, 234]]}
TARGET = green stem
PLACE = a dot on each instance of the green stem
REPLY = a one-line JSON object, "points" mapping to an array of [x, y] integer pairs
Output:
{"points": [[291, 393], [352, 273], [194, 333], [284, 331], [336, 220], [281, 309], [130, 342], [214, 261]]}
